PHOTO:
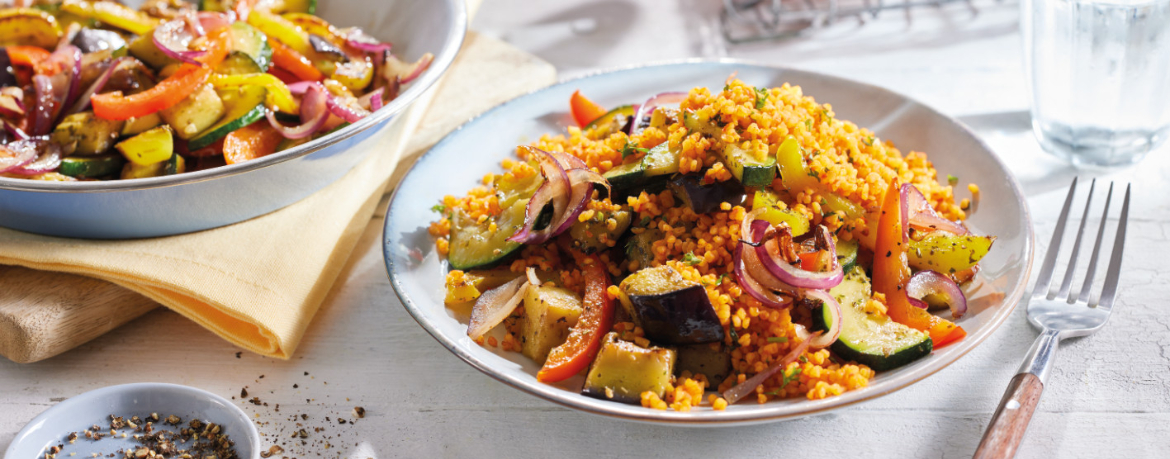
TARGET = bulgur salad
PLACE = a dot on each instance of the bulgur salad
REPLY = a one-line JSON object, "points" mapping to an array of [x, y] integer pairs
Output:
{"points": [[708, 247]]}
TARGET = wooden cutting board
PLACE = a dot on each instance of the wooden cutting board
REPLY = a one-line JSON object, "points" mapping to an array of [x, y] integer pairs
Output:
{"points": [[44, 313]]}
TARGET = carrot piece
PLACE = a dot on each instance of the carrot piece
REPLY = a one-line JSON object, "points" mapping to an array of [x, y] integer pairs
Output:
{"points": [[253, 141], [296, 63]]}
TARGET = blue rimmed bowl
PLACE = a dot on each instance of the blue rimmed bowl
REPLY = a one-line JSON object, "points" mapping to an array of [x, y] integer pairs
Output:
{"points": [[183, 203]]}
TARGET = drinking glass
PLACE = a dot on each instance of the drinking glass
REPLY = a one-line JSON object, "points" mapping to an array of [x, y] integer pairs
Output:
{"points": [[1099, 75]]}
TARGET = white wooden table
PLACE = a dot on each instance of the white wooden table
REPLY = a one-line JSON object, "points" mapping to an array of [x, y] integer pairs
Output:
{"points": [[1109, 396]]}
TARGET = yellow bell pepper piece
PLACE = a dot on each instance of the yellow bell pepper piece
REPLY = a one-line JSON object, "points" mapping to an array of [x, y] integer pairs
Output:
{"points": [[792, 169], [27, 26], [279, 97], [282, 30], [767, 199], [947, 253], [113, 14], [148, 148]]}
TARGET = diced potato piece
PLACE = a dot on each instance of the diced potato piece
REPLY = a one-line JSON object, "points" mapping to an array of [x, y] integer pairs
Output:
{"points": [[549, 312], [86, 134], [622, 371], [140, 124], [199, 111], [153, 146]]}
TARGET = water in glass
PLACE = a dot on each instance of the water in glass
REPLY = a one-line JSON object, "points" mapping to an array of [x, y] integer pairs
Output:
{"points": [[1099, 74]]}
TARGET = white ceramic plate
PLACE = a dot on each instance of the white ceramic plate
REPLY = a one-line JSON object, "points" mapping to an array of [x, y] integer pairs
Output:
{"points": [[458, 162]]}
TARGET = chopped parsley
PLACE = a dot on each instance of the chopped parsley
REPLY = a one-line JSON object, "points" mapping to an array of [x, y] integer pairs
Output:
{"points": [[726, 87], [691, 259], [721, 277], [645, 221], [778, 339], [440, 208], [803, 359], [631, 148], [869, 141], [808, 124], [790, 377], [761, 98], [952, 179], [734, 338]]}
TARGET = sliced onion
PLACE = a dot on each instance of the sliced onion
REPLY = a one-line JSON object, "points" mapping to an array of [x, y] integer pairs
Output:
{"points": [[834, 308], [405, 73], [343, 111], [16, 154], [11, 103], [769, 253], [15, 131], [918, 303], [581, 183], [749, 284], [48, 157], [555, 189], [314, 112], [67, 82], [43, 105], [372, 101], [494, 306], [209, 21], [300, 87], [924, 284], [83, 100], [532, 279], [742, 389], [666, 98], [922, 216], [359, 40], [568, 161], [173, 38]]}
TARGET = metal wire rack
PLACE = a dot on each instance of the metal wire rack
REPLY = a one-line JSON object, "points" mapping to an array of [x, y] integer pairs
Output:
{"points": [[745, 21]]}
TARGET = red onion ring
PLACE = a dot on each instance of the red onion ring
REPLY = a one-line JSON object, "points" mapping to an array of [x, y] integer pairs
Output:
{"points": [[67, 82], [15, 131], [43, 105], [82, 102], [742, 389], [749, 284], [314, 112], [581, 183], [393, 68], [495, 305], [16, 154], [922, 216], [769, 253], [300, 87], [209, 21], [372, 101], [556, 189], [834, 308], [652, 104], [173, 38], [47, 160], [568, 161], [11, 104], [345, 112], [927, 283], [359, 40], [421, 65]]}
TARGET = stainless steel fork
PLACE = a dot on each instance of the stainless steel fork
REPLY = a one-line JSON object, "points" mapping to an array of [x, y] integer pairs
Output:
{"points": [[1058, 314]]}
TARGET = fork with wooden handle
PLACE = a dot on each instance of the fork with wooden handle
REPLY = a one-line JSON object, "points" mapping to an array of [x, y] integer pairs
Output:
{"points": [[1058, 314]]}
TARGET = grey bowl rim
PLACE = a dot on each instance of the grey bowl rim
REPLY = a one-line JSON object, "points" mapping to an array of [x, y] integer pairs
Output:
{"points": [[252, 433], [442, 62]]}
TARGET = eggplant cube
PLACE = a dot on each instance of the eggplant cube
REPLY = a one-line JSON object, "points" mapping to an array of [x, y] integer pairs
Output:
{"points": [[711, 360], [622, 371], [549, 313], [671, 309], [706, 198]]}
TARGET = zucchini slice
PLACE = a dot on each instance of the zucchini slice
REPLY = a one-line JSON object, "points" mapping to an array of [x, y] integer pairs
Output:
{"points": [[640, 247], [749, 170], [671, 309], [244, 106], [93, 166], [622, 371], [870, 339], [661, 160], [245, 39], [626, 178], [612, 121], [549, 313], [475, 246], [847, 253], [238, 63], [587, 235]]}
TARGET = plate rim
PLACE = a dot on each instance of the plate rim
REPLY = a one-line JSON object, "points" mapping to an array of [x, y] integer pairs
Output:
{"points": [[778, 412]]}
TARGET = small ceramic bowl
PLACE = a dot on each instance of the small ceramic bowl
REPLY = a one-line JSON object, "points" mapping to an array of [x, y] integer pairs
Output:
{"points": [[140, 399]]}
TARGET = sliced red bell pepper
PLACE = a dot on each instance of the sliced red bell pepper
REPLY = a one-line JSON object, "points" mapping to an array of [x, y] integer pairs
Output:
{"points": [[32, 57], [250, 142], [584, 110], [295, 63], [115, 106], [891, 272], [578, 351]]}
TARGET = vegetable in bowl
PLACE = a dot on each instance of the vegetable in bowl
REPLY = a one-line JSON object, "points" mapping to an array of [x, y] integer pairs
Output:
{"points": [[100, 91], [731, 253]]}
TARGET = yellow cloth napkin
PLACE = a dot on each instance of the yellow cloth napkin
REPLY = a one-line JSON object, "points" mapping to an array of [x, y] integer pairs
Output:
{"points": [[258, 283]]}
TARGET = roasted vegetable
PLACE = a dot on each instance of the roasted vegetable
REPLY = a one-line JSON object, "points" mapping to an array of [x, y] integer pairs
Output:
{"points": [[869, 337], [584, 341], [612, 121], [704, 198], [92, 166], [947, 253], [27, 26], [549, 313], [671, 309], [471, 284], [584, 110], [475, 245], [778, 212], [196, 113], [94, 40], [596, 233], [640, 247], [85, 134], [148, 148], [710, 360], [622, 371]]}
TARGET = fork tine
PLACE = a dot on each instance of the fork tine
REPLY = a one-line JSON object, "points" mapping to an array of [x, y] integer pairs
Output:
{"points": [[1041, 288], [1076, 250], [1109, 291], [1084, 296]]}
